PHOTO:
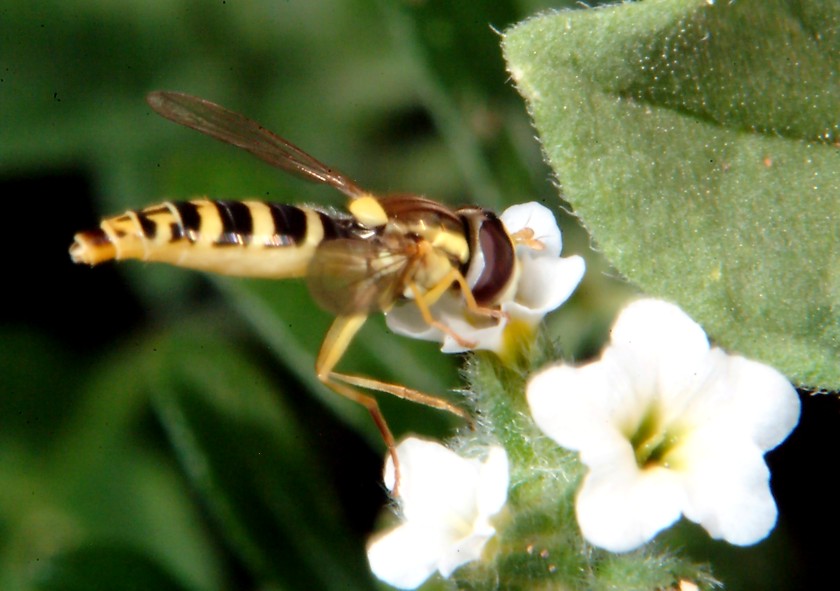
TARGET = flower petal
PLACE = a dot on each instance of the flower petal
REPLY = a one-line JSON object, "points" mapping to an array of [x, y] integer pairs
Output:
{"points": [[404, 557], [465, 550], [544, 284], [406, 319], [446, 501], [765, 400], [619, 508], [667, 425], [538, 218], [434, 478], [661, 345], [493, 479], [561, 409], [738, 395], [727, 487]]}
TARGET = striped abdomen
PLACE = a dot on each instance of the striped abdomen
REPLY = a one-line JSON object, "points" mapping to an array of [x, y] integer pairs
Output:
{"points": [[246, 238]]}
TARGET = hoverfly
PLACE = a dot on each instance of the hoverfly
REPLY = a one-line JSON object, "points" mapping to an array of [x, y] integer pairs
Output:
{"points": [[383, 251]]}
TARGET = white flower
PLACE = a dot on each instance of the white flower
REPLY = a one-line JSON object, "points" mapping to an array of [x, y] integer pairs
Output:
{"points": [[667, 426], [446, 503], [545, 280]]}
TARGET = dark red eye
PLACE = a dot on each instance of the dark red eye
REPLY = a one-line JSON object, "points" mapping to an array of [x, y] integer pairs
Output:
{"points": [[499, 259]]}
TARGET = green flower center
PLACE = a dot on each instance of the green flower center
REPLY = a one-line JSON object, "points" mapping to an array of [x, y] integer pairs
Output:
{"points": [[653, 440]]}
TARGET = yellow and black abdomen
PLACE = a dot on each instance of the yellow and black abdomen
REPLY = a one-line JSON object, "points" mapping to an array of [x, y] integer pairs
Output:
{"points": [[244, 238]]}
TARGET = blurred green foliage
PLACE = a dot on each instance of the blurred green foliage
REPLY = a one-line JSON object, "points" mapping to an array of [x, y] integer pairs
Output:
{"points": [[171, 434]]}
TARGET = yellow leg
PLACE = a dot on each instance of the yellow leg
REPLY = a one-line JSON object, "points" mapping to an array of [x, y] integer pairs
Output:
{"points": [[432, 295], [335, 344], [401, 392], [469, 298], [423, 301], [336, 341]]}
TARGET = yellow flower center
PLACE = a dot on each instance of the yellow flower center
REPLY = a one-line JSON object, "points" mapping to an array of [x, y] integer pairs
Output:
{"points": [[517, 337]]}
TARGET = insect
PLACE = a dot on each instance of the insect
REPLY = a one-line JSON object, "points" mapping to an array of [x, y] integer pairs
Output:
{"points": [[384, 251]]}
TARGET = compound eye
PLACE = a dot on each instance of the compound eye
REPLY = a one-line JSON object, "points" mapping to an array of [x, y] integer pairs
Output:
{"points": [[499, 260]]}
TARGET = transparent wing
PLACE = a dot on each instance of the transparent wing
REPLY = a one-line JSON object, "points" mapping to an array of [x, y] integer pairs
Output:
{"points": [[233, 128], [348, 276]]}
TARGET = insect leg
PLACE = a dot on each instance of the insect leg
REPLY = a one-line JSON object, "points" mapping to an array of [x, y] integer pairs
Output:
{"points": [[402, 392], [423, 301], [456, 276], [338, 338], [335, 344]]}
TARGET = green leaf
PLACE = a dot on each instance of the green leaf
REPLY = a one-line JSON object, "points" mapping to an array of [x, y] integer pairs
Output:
{"points": [[249, 459], [697, 141], [101, 567]]}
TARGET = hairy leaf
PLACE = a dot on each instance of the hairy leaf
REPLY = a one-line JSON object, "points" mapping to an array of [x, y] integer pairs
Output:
{"points": [[698, 143]]}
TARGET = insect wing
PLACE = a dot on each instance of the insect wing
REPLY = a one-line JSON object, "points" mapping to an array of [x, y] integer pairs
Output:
{"points": [[235, 129], [349, 276]]}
